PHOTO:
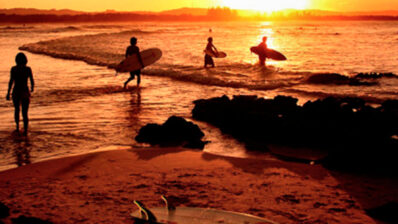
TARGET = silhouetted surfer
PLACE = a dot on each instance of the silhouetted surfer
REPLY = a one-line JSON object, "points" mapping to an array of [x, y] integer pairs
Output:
{"points": [[20, 93], [210, 47], [131, 50], [263, 47]]}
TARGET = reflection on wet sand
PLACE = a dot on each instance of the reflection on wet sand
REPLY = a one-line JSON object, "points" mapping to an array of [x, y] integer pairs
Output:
{"points": [[21, 148], [133, 110]]}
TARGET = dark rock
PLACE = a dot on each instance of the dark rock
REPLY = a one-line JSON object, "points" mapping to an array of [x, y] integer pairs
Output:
{"points": [[4, 211], [387, 212], [151, 133], [374, 75], [29, 220], [390, 105], [176, 131], [346, 128], [328, 78], [336, 79]]}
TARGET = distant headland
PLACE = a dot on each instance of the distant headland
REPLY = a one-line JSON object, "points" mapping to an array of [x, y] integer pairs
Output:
{"points": [[30, 15]]}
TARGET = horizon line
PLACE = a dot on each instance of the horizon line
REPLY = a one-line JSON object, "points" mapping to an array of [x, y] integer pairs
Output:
{"points": [[160, 11]]}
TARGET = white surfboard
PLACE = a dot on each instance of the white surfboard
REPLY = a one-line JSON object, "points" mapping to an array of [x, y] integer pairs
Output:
{"points": [[131, 63], [191, 215]]}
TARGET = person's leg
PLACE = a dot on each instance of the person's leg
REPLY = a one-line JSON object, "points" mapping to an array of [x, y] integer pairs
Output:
{"points": [[25, 108], [16, 102], [126, 82], [132, 75], [212, 62], [138, 77], [261, 60], [208, 61]]}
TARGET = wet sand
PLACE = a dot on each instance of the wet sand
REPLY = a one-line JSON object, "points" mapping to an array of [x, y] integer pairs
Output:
{"points": [[100, 187]]}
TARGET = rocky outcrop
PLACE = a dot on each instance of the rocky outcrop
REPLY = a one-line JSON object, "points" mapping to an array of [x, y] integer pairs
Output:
{"points": [[337, 79], [176, 131], [374, 75], [360, 79], [349, 129]]}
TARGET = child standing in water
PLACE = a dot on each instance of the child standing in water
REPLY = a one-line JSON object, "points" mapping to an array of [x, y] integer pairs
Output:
{"points": [[210, 47], [131, 50], [20, 93]]}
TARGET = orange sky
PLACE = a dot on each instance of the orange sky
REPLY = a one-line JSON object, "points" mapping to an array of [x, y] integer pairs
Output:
{"points": [[159, 5]]}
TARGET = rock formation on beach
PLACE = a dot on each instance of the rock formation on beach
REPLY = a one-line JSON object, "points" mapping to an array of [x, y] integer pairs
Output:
{"points": [[352, 132], [176, 131], [360, 79]]}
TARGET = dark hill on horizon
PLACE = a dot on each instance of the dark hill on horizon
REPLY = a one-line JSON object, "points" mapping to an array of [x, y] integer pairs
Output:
{"points": [[192, 11], [28, 15], [32, 11]]}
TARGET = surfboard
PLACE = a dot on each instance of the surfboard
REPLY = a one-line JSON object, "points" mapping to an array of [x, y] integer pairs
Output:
{"points": [[271, 53], [219, 54], [131, 63], [192, 215]]}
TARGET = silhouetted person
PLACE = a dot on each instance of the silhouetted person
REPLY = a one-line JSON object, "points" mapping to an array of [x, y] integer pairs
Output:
{"points": [[210, 47], [131, 50], [20, 93], [263, 47]]}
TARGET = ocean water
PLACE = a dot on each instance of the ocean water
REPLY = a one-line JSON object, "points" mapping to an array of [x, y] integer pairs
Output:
{"points": [[79, 105]]}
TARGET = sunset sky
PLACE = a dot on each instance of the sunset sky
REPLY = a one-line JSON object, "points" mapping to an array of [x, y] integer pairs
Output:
{"points": [[159, 5]]}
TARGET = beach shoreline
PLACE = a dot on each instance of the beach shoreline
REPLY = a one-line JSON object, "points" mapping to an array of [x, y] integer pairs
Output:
{"points": [[63, 121], [100, 187]]}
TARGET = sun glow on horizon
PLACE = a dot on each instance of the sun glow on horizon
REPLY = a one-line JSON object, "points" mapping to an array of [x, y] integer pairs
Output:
{"points": [[266, 5]]}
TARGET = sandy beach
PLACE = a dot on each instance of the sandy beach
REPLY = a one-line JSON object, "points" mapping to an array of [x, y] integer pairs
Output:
{"points": [[100, 187]]}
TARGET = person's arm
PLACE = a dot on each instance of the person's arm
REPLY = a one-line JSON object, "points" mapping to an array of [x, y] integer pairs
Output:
{"points": [[10, 83], [214, 47], [127, 52], [32, 81], [139, 57]]}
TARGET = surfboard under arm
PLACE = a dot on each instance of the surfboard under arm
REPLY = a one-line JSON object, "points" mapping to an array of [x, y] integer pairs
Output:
{"points": [[132, 62]]}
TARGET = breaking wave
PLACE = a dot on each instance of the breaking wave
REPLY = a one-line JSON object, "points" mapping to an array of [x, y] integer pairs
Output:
{"points": [[179, 63]]}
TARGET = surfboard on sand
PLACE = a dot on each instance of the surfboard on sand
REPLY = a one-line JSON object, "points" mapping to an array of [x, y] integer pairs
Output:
{"points": [[219, 54], [131, 63], [191, 215], [271, 53]]}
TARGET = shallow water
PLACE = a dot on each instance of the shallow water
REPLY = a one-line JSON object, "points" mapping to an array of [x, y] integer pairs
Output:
{"points": [[79, 108], [311, 47]]}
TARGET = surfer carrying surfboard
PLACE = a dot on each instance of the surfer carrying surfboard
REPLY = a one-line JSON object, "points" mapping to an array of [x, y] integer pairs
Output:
{"points": [[211, 48], [264, 52], [263, 47], [131, 50]]}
